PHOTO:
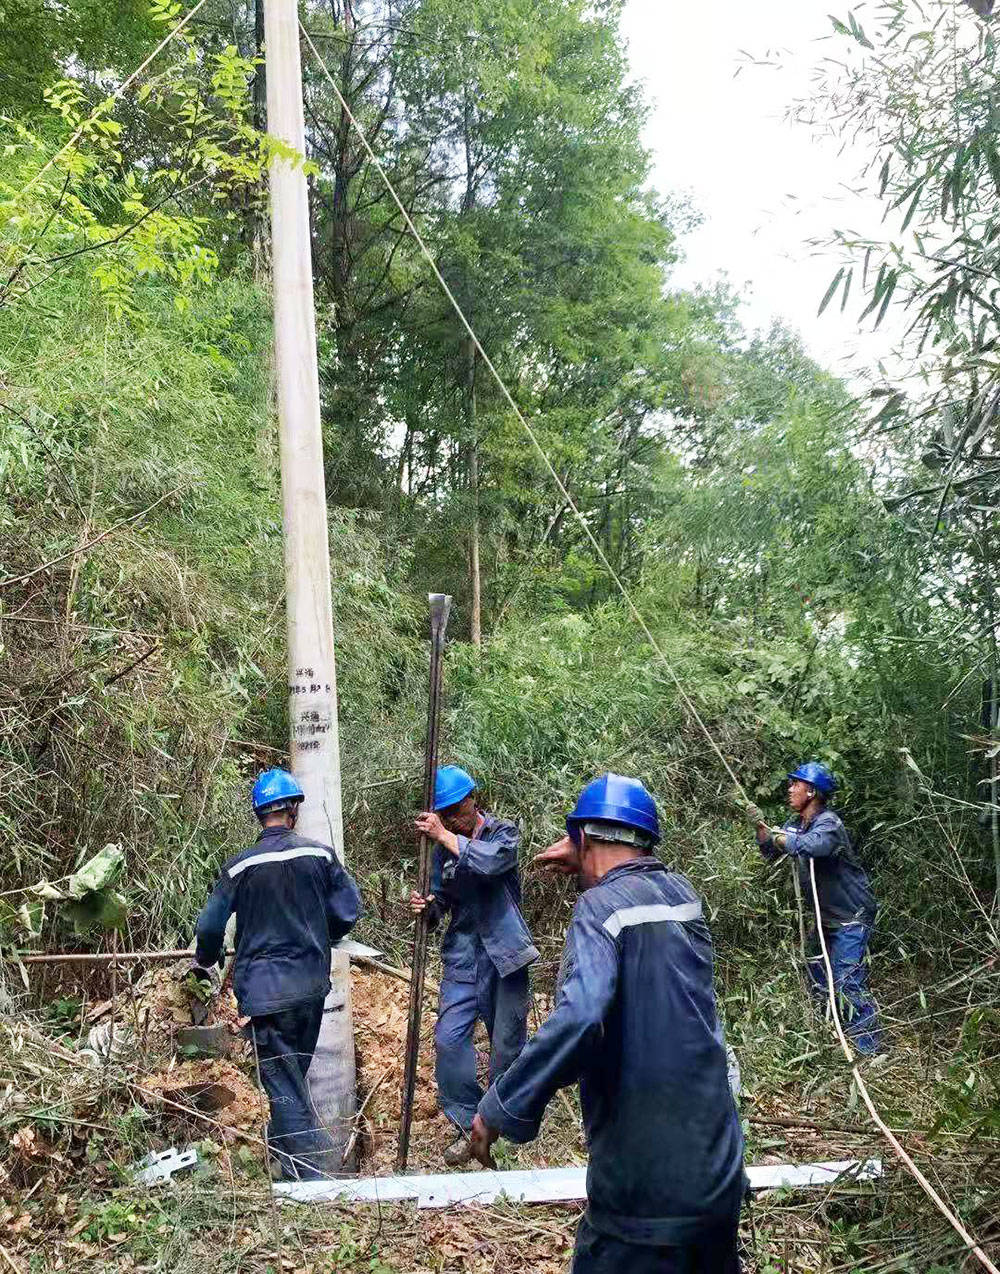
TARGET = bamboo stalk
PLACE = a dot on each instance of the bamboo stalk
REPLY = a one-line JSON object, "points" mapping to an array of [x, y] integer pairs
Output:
{"points": [[107, 957]]}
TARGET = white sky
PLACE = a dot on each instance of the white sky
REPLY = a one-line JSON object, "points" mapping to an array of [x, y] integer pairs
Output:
{"points": [[764, 186]]}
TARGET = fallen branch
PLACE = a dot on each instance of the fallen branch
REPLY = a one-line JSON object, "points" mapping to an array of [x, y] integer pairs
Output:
{"points": [[132, 666], [10, 1260], [402, 974], [156, 957], [107, 957]]}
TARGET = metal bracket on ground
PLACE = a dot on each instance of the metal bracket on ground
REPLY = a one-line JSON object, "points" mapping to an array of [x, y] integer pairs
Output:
{"points": [[161, 1165]]}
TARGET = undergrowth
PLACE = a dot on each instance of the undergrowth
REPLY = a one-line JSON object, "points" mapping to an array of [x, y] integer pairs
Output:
{"points": [[142, 686]]}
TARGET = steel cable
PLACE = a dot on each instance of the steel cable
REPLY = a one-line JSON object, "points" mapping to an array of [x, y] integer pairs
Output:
{"points": [[637, 615]]}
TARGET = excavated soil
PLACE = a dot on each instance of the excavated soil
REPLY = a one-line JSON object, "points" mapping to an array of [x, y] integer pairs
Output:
{"points": [[381, 1003], [216, 1088], [160, 994]]}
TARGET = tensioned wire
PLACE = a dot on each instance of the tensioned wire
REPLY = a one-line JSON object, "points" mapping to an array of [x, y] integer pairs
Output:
{"points": [[929, 1190], [540, 450], [119, 91]]}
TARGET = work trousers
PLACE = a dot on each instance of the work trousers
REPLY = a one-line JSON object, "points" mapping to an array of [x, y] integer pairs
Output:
{"points": [[847, 945], [285, 1043], [597, 1253], [502, 1005]]}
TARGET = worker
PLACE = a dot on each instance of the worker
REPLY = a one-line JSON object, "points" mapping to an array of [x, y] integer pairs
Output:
{"points": [[815, 835], [486, 949], [635, 1022], [292, 900]]}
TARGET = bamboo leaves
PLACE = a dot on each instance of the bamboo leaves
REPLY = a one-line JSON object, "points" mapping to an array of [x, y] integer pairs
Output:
{"points": [[922, 97]]}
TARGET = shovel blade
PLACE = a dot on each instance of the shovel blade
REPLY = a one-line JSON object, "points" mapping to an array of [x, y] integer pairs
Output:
{"points": [[440, 604]]}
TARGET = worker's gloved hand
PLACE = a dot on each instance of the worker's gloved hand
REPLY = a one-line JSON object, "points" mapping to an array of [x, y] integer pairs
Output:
{"points": [[481, 1138], [755, 815], [562, 856], [418, 902], [200, 982], [779, 840]]}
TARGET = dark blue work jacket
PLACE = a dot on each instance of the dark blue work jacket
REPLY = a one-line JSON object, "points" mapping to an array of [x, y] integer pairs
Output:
{"points": [[292, 900], [845, 896], [635, 1022], [481, 888]]}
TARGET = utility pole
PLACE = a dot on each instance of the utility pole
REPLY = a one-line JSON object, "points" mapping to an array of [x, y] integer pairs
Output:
{"points": [[312, 679]]}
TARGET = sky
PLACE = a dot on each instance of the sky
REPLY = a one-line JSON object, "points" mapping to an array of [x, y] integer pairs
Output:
{"points": [[763, 185]]}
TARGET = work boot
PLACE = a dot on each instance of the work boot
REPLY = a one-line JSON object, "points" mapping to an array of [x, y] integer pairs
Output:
{"points": [[458, 1154]]}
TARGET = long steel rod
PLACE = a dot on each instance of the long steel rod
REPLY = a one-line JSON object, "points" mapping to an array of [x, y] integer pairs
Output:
{"points": [[107, 957], [440, 606]]}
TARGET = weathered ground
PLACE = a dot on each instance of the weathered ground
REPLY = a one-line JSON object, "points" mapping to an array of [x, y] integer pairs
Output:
{"points": [[68, 1202]]}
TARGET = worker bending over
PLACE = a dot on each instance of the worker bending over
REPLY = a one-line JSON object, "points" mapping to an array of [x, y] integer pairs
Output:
{"points": [[486, 950], [292, 900], [815, 834], [635, 1022]]}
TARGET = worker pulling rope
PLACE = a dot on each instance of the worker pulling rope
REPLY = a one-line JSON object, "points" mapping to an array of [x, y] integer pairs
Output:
{"points": [[932, 1194]]}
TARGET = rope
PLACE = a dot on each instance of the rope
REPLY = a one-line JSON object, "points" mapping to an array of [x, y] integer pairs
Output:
{"points": [[119, 91], [886, 1131], [685, 698], [501, 385]]}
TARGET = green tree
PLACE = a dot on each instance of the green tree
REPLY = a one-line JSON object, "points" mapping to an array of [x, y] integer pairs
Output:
{"points": [[917, 87], [554, 248]]}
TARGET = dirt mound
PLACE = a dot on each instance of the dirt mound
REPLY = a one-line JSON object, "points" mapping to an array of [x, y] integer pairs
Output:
{"points": [[381, 1003], [160, 994], [216, 1088]]}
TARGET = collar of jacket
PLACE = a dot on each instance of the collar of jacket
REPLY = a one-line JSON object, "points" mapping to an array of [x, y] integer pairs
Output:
{"points": [[277, 830], [797, 824], [484, 822], [646, 863]]}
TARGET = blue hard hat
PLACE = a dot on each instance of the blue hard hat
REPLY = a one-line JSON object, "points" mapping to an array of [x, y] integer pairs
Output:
{"points": [[451, 785], [275, 789], [817, 775], [612, 798]]}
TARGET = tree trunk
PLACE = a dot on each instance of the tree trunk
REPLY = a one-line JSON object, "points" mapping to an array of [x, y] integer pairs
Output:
{"points": [[991, 719], [469, 394], [994, 763], [343, 174], [259, 236], [470, 409]]}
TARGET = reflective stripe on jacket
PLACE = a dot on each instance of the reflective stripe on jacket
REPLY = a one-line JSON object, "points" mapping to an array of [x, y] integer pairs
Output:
{"points": [[635, 1022], [292, 900]]}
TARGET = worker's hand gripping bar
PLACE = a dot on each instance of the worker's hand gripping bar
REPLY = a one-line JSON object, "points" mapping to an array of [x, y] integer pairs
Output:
{"points": [[440, 607]]}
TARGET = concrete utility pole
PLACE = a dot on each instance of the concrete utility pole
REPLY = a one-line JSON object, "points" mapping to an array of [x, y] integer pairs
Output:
{"points": [[312, 680]]}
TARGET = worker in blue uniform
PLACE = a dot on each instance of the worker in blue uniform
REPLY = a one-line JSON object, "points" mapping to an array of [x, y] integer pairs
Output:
{"points": [[815, 834], [486, 949], [635, 1023], [292, 900]]}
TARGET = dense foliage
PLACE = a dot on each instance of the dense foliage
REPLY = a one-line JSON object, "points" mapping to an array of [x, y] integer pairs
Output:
{"points": [[814, 593]]}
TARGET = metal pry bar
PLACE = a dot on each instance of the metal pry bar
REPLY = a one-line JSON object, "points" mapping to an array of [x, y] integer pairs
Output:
{"points": [[440, 609]]}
